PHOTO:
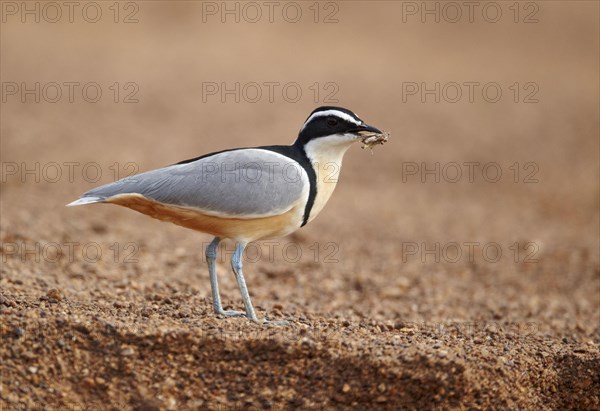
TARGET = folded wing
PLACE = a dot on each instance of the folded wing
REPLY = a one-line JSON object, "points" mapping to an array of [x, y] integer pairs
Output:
{"points": [[245, 183]]}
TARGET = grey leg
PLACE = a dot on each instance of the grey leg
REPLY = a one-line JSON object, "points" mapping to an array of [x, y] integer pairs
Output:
{"points": [[211, 257], [236, 264]]}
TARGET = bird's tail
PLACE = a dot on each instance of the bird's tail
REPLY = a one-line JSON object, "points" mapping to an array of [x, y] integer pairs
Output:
{"points": [[86, 200]]}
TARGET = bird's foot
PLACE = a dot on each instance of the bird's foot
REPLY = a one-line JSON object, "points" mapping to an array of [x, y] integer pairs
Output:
{"points": [[264, 321], [230, 313]]}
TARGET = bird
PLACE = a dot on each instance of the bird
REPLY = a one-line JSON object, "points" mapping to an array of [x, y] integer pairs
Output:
{"points": [[245, 194]]}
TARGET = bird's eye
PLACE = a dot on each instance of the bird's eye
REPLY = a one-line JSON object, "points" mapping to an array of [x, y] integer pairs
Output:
{"points": [[331, 122]]}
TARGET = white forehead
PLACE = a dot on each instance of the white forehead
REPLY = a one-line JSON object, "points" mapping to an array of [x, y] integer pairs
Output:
{"points": [[336, 113]]}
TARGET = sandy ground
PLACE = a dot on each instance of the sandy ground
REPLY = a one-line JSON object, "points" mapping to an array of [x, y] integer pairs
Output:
{"points": [[416, 287]]}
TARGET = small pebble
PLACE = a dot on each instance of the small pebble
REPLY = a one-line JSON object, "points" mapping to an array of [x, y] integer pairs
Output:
{"points": [[18, 332], [55, 294], [127, 351]]}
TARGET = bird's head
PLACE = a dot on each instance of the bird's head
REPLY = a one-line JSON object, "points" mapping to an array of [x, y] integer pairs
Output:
{"points": [[333, 126]]}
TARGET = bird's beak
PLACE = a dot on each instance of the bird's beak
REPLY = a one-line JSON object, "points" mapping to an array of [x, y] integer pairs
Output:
{"points": [[366, 129]]}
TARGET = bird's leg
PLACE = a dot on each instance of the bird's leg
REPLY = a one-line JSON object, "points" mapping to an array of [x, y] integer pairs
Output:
{"points": [[236, 264], [211, 257]]}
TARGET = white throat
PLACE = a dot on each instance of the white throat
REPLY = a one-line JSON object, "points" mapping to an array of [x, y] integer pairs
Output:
{"points": [[326, 154]]}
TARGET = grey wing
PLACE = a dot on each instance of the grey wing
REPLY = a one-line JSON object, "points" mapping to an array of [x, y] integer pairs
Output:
{"points": [[242, 183]]}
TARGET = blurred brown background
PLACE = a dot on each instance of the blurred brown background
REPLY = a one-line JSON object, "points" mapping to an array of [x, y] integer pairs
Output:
{"points": [[367, 55]]}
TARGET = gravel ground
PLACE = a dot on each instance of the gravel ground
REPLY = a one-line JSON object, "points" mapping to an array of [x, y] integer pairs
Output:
{"points": [[405, 293]]}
